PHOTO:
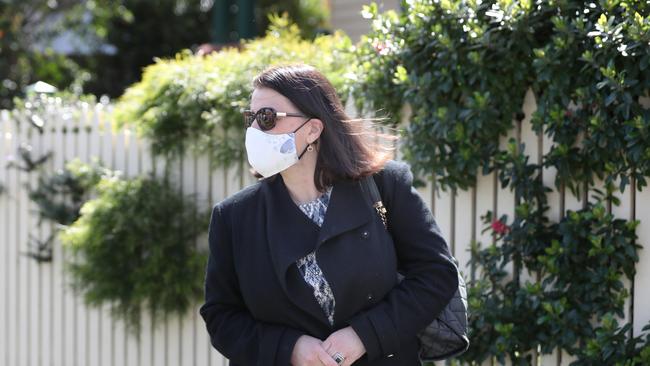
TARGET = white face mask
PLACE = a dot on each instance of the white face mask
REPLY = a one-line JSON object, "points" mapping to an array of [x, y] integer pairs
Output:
{"points": [[270, 154]]}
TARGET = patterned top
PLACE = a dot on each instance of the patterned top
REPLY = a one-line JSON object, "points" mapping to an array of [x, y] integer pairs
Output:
{"points": [[307, 265]]}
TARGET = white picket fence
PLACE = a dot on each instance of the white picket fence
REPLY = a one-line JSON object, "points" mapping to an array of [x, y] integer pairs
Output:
{"points": [[43, 323]]}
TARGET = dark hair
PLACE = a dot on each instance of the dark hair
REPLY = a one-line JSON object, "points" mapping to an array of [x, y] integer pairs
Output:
{"points": [[348, 148]]}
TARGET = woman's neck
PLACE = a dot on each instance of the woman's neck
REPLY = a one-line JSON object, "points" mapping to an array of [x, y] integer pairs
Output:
{"points": [[299, 179]]}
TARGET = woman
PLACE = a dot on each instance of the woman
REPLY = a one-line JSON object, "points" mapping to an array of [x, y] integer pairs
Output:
{"points": [[301, 269]]}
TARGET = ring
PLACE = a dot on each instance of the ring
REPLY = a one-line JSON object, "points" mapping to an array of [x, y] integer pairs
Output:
{"points": [[338, 357]]}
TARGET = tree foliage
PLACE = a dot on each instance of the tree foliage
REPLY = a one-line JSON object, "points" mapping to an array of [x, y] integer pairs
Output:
{"points": [[22, 62]]}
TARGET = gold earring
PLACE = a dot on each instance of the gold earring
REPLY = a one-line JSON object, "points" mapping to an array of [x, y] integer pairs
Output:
{"points": [[310, 148]]}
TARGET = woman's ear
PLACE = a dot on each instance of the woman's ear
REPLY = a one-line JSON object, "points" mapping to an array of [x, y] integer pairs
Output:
{"points": [[315, 129]]}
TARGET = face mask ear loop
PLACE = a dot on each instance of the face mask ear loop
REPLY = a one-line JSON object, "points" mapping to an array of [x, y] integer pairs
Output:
{"points": [[308, 145], [299, 127], [304, 151]]}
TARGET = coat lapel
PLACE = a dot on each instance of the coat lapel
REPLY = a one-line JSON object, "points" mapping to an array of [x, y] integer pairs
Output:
{"points": [[292, 235], [347, 210]]}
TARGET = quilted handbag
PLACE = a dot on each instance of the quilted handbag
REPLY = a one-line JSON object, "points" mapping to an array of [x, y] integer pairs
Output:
{"points": [[445, 336]]}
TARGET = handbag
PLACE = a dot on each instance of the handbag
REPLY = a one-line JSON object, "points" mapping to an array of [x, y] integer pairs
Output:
{"points": [[446, 336]]}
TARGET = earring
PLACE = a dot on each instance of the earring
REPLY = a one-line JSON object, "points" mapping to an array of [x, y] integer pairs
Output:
{"points": [[310, 148]]}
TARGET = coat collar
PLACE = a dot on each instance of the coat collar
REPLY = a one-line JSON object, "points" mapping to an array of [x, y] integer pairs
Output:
{"points": [[292, 235]]}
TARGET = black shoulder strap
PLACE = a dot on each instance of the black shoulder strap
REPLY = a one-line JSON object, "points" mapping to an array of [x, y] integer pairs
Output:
{"points": [[372, 189], [373, 196]]}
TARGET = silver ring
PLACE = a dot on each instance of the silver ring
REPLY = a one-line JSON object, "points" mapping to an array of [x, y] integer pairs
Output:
{"points": [[338, 357]]}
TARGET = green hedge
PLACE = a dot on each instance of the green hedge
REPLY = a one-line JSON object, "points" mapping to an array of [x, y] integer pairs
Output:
{"points": [[196, 102], [465, 67]]}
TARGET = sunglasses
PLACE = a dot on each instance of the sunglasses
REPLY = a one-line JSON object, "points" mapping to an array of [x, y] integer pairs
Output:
{"points": [[266, 117]]}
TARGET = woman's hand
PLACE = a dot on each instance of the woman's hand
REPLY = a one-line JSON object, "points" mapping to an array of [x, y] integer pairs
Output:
{"points": [[309, 351], [346, 342]]}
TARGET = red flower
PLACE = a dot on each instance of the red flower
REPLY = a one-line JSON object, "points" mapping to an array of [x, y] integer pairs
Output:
{"points": [[383, 48], [379, 48], [499, 227]]}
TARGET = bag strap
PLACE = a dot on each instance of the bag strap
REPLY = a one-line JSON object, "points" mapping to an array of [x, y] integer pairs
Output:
{"points": [[375, 198]]}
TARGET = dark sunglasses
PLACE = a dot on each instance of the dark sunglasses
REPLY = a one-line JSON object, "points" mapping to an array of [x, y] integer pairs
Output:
{"points": [[266, 117]]}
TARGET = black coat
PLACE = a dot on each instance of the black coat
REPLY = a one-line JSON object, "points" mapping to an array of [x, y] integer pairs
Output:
{"points": [[257, 304]]}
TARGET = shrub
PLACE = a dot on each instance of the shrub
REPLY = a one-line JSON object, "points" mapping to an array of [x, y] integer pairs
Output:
{"points": [[464, 67], [194, 101], [133, 247]]}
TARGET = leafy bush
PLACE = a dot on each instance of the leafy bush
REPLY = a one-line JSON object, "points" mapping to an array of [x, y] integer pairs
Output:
{"points": [[196, 101], [133, 247], [580, 264], [464, 68], [592, 74]]}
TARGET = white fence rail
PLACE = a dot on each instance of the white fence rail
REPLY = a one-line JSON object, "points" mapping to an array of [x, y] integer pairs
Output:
{"points": [[42, 323]]}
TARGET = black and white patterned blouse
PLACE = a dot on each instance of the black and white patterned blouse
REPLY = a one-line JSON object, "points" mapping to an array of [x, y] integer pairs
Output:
{"points": [[307, 265]]}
